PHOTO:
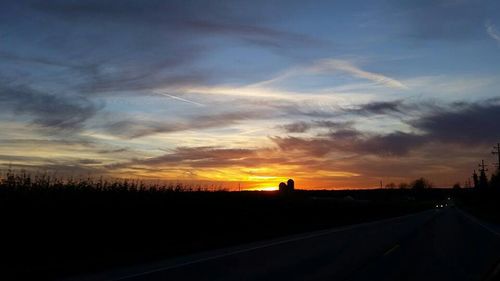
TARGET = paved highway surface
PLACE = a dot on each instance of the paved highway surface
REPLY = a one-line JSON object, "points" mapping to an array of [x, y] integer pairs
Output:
{"points": [[441, 244]]}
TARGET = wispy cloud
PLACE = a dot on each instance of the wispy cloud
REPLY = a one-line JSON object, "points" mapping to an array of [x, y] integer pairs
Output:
{"points": [[493, 32], [329, 65], [267, 89], [335, 66]]}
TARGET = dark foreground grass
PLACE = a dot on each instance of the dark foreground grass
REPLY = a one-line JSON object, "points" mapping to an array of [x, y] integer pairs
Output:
{"points": [[61, 230], [484, 204]]}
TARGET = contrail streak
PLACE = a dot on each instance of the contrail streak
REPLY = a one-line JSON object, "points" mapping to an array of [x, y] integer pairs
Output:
{"points": [[180, 99]]}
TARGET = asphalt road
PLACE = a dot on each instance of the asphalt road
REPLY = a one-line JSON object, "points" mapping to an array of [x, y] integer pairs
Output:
{"points": [[444, 244]]}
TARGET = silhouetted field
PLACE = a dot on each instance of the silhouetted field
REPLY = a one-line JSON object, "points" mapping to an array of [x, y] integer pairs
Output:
{"points": [[64, 228]]}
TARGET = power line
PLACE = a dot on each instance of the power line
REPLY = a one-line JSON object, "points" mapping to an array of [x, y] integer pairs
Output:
{"points": [[496, 150]]}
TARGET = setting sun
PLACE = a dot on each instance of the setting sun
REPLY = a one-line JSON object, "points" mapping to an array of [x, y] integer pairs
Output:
{"points": [[263, 188]]}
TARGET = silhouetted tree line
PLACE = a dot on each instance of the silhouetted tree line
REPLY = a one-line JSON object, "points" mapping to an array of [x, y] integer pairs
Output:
{"points": [[418, 184], [24, 181], [481, 181]]}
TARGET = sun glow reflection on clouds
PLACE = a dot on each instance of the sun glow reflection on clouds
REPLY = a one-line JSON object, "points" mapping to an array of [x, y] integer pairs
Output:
{"points": [[331, 94]]}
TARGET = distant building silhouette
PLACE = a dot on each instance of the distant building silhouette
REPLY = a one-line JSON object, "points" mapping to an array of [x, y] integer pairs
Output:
{"points": [[287, 187], [282, 187]]}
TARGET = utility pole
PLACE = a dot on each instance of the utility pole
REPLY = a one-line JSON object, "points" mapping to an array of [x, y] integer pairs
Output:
{"points": [[483, 180], [482, 166], [496, 150]]}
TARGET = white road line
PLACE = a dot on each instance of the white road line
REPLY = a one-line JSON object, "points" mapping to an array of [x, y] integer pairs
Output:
{"points": [[478, 222], [496, 270], [309, 236]]}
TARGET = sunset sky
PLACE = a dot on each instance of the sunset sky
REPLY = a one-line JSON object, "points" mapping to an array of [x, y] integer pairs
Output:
{"points": [[335, 94]]}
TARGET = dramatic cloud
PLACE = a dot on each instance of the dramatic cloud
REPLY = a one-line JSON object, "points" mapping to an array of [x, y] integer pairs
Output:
{"points": [[297, 127], [201, 156], [249, 164], [352, 141], [387, 107], [253, 34], [461, 123], [135, 128], [394, 144], [468, 124], [301, 126], [47, 110], [216, 18], [162, 45]]}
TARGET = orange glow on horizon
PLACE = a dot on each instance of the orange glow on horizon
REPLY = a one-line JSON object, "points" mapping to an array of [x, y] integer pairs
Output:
{"points": [[263, 188]]}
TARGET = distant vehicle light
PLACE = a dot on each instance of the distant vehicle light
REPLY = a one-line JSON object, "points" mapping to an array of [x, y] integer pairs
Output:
{"points": [[441, 206]]}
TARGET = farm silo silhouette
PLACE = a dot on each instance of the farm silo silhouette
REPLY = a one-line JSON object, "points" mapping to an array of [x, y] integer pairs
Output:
{"points": [[289, 186]]}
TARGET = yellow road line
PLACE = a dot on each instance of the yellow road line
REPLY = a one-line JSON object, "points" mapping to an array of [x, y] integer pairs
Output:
{"points": [[391, 250]]}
